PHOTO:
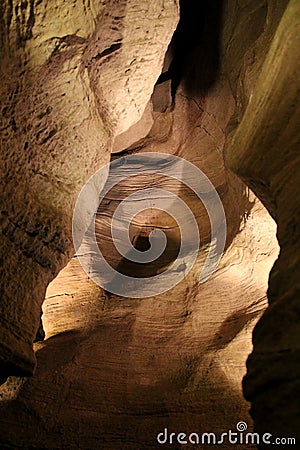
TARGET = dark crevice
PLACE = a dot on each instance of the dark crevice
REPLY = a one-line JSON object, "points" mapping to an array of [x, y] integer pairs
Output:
{"points": [[108, 51], [195, 47]]}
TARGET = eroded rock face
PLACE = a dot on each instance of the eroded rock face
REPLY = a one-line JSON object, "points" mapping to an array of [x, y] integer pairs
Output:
{"points": [[73, 75], [119, 370], [265, 154], [113, 371]]}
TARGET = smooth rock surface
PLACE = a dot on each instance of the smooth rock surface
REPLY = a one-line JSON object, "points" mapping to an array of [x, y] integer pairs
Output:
{"points": [[265, 153]]}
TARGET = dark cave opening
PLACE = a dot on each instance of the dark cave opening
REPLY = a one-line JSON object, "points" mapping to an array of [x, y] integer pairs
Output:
{"points": [[193, 57]]}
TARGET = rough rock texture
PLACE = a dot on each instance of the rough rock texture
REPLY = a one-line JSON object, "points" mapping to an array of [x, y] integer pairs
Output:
{"points": [[73, 74], [113, 372]]}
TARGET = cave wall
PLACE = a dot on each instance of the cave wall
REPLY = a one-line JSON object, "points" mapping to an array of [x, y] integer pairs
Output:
{"points": [[264, 152], [179, 357], [73, 74]]}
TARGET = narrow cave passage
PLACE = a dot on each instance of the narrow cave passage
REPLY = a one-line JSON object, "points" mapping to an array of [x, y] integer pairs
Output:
{"points": [[120, 85]]}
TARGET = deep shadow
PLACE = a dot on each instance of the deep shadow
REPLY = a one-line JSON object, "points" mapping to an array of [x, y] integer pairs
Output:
{"points": [[195, 47], [127, 266]]}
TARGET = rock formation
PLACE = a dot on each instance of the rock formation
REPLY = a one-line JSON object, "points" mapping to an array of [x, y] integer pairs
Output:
{"points": [[85, 83], [60, 112], [264, 152]]}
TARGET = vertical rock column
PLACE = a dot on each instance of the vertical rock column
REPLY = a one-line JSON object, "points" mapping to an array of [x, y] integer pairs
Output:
{"points": [[74, 74], [265, 154]]}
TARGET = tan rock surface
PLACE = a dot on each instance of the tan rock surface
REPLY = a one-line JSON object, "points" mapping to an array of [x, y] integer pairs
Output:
{"points": [[265, 153], [69, 74], [115, 371]]}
